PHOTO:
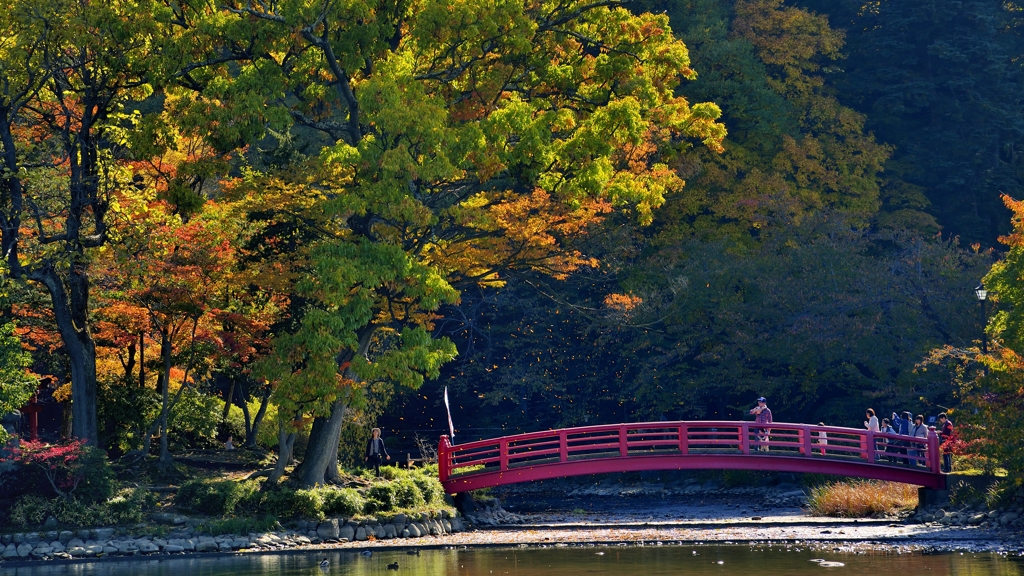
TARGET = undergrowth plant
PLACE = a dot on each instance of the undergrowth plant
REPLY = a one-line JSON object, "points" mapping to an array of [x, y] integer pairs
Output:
{"points": [[862, 498]]}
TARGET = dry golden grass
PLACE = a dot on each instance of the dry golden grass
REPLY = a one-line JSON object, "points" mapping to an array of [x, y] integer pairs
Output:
{"points": [[859, 499]]}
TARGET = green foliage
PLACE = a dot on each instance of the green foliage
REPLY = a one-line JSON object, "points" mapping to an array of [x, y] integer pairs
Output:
{"points": [[215, 497], [430, 487], [407, 494], [343, 502], [381, 497], [288, 503], [244, 525], [16, 384], [193, 422], [127, 506]]}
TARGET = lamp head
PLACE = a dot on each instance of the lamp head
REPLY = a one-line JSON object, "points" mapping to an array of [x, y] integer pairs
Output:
{"points": [[980, 292]]}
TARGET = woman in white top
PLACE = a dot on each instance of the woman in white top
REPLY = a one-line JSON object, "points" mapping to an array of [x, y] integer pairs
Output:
{"points": [[872, 421], [872, 425]]}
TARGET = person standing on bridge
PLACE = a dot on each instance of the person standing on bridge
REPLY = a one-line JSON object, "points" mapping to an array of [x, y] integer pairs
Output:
{"points": [[946, 436], [375, 451], [902, 423], [764, 416], [872, 425], [918, 430]]}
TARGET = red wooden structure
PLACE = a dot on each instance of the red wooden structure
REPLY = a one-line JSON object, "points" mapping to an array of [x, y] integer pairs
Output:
{"points": [[779, 447]]}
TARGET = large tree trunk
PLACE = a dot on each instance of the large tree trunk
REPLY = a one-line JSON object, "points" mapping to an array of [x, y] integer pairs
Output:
{"points": [[320, 455], [71, 311], [322, 451]]}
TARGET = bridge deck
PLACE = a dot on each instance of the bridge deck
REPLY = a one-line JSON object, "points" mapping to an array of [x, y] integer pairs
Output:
{"points": [[781, 447]]}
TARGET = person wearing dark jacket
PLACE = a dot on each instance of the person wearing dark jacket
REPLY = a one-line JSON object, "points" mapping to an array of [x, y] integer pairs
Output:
{"points": [[902, 424], [375, 451], [946, 435]]}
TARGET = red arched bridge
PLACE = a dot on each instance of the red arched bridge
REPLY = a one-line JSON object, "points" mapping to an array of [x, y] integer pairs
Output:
{"points": [[778, 447]]}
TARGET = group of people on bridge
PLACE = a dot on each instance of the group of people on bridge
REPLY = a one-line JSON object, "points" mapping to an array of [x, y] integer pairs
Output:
{"points": [[902, 425]]}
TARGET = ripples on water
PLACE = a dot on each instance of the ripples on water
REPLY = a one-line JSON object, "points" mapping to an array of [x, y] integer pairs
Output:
{"points": [[588, 561]]}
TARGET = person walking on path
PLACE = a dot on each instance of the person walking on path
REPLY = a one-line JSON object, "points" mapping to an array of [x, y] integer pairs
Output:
{"points": [[918, 430], [763, 416], [375, 451], [902, 423], [946, 436]]}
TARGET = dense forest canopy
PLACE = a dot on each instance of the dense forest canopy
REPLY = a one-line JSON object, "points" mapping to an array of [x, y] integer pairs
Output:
{"points": [[318, 214]]}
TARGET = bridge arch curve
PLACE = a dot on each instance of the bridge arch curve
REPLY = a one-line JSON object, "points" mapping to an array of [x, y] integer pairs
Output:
{"points": [[690, 445]]}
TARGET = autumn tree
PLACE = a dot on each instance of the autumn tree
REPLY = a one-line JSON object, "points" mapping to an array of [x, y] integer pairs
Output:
{"points": [[456, 141], [68, 68]]}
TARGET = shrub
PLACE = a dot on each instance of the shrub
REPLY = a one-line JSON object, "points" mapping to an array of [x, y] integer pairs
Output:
{"points": [[214, 497], [308, 504], [347, 502], [239, 525], [383, 497], [858, 499], [433, 492], [72, 470], [407, 493], [288, 503], [129, 506], [30, 510]]}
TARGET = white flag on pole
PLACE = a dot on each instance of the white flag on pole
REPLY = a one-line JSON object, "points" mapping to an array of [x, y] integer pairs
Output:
{"points": [[451, 428]]}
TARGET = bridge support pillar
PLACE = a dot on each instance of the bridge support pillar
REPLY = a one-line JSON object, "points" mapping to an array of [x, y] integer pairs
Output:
{"points": [[464, 503], [931, 496]]}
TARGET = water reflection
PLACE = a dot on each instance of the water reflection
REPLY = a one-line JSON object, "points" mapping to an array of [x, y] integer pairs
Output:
{"points": [[595, 561]]}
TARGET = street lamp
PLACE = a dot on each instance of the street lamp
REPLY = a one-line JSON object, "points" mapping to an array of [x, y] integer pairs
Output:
{"points": [[982, 294]]}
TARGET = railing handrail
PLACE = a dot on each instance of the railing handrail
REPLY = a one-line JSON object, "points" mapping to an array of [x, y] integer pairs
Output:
{"points": [[841, 442]]}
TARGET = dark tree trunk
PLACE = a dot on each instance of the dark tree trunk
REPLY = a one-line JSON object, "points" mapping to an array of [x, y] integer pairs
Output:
{"points": [[71, 310], [250, 438], [320, 455], [285, 442], [165, 385]]}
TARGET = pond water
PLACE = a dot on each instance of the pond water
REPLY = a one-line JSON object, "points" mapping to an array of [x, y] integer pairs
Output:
{"points": [[589, 561]]}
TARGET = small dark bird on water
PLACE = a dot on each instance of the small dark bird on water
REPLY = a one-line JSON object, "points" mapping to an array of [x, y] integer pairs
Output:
{"points": [[415, 552], [325, 563], [393, 566]]}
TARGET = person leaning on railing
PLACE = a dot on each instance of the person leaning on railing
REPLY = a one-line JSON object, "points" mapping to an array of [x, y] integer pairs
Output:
{"points": [[918, 430]]}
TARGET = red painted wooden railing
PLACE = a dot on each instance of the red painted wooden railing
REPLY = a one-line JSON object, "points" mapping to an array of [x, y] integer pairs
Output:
{"points": [[690, 445]]}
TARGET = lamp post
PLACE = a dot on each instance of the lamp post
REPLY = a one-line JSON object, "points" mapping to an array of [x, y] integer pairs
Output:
{"points": [[982, 294]]}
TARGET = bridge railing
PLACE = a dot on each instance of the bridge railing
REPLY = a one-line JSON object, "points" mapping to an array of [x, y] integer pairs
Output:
{"points": [[687, 438]]}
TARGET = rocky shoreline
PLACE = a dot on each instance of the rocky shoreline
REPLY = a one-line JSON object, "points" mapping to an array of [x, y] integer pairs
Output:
{"points": [[583, 516], [185, 537]]}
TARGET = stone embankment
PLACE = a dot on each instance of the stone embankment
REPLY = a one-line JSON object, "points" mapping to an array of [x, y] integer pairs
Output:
{"points": [[978, 515], [186, 536]]}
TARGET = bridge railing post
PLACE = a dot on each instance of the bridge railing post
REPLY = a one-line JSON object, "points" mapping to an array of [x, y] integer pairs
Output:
{"points": [[684, 439], [864, 446], [444, 463], [805, 441], [563, 447], [745, 439], [503, 455], [623, 441], [934, 457]]}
